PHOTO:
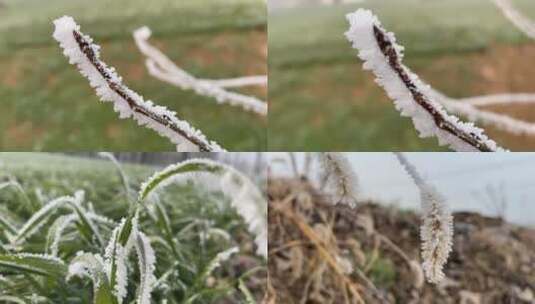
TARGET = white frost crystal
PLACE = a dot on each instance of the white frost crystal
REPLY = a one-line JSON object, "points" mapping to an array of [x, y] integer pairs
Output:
{"points": [[220, 258], [246, 199], [38, 219], [340, 177], [108, 84], [164, 69], [466, 107], [115, 251], [147, 261], [520, 21], [363, 31], [57, 228], [245, 196], [41, 256], [436, 231]]}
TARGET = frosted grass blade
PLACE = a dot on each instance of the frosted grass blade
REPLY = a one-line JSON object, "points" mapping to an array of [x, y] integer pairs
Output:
{"points": [[38, 264]]}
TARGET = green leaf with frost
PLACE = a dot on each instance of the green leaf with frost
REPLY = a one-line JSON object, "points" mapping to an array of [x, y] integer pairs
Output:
{"points": [[187, 167], [12, 299], [38, 264], [217, 261], [245, 196], [146, 261], [38, 219], [92, 266], [55, 232], [20, 191], [7, 224]]}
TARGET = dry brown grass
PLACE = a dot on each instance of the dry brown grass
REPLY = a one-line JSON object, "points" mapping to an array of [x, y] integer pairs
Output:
{"points": [[320, 253]]}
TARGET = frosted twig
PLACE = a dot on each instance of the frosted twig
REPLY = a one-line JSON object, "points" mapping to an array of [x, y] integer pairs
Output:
{"points": [[436, 231], [260, 80], [380, 53], [497, 99], [81, 51], [499, 121], [519, 20], [162, 68]]}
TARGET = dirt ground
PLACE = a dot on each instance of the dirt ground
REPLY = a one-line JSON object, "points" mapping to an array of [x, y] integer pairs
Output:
{"points": [[319, 253]]}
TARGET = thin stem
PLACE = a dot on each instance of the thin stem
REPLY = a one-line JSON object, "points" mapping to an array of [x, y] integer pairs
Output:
{"points": [[118, 88], [520, 21], [162, 68], [387, 48]]}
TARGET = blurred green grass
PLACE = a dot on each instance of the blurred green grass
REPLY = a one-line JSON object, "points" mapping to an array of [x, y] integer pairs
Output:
{"points": [[321, 99], [48, 105]]}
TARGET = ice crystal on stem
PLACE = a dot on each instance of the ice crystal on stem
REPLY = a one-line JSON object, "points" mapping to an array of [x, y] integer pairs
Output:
{"points": [[115, 263], [164, 69], [82, 52], [382, 55], [467, 107], [498, 99], [436, 231], [340, 177]]}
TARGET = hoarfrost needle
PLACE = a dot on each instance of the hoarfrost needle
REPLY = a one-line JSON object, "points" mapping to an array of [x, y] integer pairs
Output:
{"points": [[82, 52], [340, 177], [383, 56], [436, 231]]}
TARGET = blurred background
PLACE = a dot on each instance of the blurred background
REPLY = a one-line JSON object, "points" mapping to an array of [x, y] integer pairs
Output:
{"points": [[47, 105], [497, 185], [461, 47], [252, 164]]}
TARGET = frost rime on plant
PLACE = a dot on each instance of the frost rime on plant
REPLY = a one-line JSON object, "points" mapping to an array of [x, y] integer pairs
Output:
{"points": [[380, 53], [164, 69], [519, 20], [147, 261], [245, 196], [340, 177], [115, 263], [466, 107], [436, 231], [219, 258], [37, 220], [56, 231], [81, 51]]}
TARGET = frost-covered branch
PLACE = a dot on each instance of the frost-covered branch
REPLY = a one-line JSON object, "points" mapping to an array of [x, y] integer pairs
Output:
{"points": [[81, 51], [499, 121], [162, 68], [260, 80], [436, 231], [380, 53], [520, 21], [498, 99]]}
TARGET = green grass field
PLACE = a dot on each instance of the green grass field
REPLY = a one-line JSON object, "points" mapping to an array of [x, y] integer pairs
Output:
{"points": [[198, 225], [321, 99], [48, 105]]}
